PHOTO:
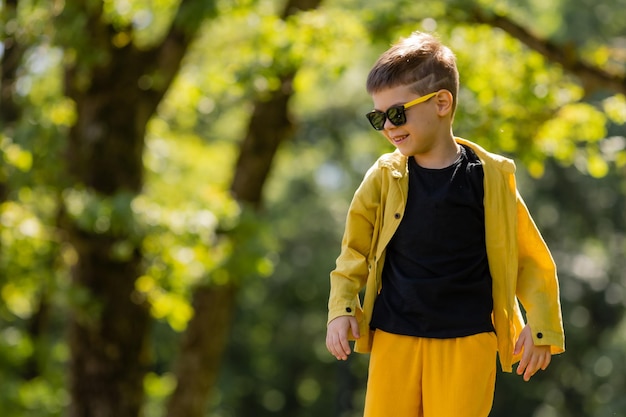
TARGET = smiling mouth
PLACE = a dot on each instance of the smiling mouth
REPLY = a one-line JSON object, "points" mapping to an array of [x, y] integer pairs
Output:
{"points": [[399, 139]]}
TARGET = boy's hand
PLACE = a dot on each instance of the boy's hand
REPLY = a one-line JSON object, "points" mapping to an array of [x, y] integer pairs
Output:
{"points": [[534, 357], [337, 336]]}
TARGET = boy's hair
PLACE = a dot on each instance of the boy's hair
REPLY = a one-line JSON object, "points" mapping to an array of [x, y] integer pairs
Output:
{"points": [[420, 61]]}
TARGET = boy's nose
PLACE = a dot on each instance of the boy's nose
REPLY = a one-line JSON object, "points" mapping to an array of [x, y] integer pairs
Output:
{"points": [[388, 125]]}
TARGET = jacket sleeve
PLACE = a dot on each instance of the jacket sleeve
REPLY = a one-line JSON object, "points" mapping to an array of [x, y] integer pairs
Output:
{"points": [[537, 284], [351, 271]]}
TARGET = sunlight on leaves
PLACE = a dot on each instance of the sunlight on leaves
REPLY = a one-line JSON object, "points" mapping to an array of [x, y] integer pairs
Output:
{"points": [[39, 394], [172, 307], [597, 166], [147, 20], [17, 300], [574, 123], [506, 113], [175, 309], [101, 214], [63, 112], [15, 155], [615, 108], [159, 386]]}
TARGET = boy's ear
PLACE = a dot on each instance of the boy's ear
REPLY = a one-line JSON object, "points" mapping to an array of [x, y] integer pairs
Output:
{"points": [[444, 102]]}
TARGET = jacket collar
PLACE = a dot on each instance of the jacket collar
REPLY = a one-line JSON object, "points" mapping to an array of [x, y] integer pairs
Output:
{"points": [[397, 162], [487, 158]]}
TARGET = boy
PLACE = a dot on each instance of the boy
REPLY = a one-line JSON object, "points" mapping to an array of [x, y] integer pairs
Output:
{"points": [[445, 246]]}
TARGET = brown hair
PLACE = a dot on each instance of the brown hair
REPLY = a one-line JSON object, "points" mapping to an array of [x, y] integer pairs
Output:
{"points": [[420, 61]]}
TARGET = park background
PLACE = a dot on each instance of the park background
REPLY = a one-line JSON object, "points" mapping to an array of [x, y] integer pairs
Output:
{"points": [[176, 174]]}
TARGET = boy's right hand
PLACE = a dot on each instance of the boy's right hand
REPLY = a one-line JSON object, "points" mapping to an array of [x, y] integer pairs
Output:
{"points": [[337, 336]]}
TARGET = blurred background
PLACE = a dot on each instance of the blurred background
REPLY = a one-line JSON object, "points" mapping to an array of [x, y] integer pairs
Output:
{"points": [[175, 176]]}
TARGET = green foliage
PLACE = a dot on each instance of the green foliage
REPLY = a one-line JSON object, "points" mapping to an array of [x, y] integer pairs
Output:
{"points": [[31, 282], [506, 111], [142, 22], [93, 213], [192, 232], [32, 267], [181, 211], [573, 125], [15, 157], [615, 108]]}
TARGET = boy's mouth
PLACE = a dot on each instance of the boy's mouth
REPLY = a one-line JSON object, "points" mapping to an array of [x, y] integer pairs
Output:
{"points": [[398, 139]]}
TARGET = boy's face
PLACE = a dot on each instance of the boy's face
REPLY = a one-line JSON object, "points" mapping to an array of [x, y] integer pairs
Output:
{"points": [[426, 125]]}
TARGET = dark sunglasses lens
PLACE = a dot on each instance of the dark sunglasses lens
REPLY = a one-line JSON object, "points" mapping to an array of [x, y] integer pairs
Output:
{"points": [[396, 115], [377, 119]]}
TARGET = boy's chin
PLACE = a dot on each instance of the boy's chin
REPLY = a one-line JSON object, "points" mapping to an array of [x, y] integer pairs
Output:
{"points": [[405, 152]]}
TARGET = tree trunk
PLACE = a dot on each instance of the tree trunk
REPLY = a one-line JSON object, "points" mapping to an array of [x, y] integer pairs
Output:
{"points": [[9, 109], [201, 352], [107, 337], [115, 98], [269, 126], [108, 358], [205, 341]]}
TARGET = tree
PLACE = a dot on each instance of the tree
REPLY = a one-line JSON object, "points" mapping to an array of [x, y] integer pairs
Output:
{"points": [[116, 87], [201, 351]]}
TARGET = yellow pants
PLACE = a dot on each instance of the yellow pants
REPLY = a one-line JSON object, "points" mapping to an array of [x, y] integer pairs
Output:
{"points": [[421, 377]]}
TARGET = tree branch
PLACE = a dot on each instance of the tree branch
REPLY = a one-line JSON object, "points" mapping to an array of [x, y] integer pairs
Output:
{"points": [[592, 77], [269, 126], [166, 58]]}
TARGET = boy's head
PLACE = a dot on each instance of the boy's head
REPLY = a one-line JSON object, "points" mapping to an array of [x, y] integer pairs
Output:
{"points": [[420, 61]]}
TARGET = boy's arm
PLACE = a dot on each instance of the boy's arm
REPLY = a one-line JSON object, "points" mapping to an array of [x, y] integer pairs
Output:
{"points": [[537, 285], [351, 271]]}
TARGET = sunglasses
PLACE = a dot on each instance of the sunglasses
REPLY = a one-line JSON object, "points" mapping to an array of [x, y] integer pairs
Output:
{"points": [[395, 114]]}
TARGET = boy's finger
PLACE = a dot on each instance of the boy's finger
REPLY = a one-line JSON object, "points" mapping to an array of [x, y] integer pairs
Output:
{"points": [[521, 367], [345, 345], [333, 344], [518, 346], [531, 368], [528, 374], [354, 326], [338, 351]]}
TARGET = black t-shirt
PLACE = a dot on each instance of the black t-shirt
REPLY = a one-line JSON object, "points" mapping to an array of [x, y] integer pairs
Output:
{"points": [[436, 281]]}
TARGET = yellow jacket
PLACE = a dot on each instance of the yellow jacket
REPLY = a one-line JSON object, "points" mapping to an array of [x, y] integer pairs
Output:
{"points": [[521, 265]]}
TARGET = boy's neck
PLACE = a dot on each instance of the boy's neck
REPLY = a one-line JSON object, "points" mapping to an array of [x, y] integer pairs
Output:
{"points": [[443, 155]]}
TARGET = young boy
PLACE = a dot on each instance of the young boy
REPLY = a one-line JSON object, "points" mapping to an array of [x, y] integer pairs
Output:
{"points": [[445, 246]]}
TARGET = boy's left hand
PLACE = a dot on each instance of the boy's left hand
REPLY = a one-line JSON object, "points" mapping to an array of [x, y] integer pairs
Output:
{"points": [[534, 357]]}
